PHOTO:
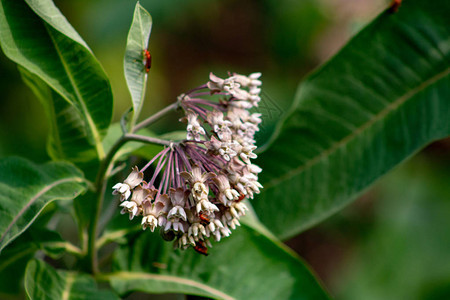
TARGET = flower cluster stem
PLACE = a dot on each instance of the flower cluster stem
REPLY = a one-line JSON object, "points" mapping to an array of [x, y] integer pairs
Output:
{"points": [[156, 116], [105, 168]]}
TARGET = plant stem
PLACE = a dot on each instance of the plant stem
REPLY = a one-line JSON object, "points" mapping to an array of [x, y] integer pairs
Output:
{"points": [[146, 139], [156, 116], [70, 248], [105, 168]]}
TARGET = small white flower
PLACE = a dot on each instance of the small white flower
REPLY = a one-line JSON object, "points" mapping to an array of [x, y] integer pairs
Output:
{"points": [[194, 129], [178, 199], [185, 241], [245, 100], [255, 90], [250, 81], [253, 187], [149, 221], [124, 189], [254, 168], [134, 206], [238, 209], [196, 180], [197, 229], [206, 207], [153, 211], [233, 223], [241, 104], [177, 212], [226, 193], [227, 150], [215, 225], [217, 84], [220, 126], [129, 207], [176, 225], [247, 152]]}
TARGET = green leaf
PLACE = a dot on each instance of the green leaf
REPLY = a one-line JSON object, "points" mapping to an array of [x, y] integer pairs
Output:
{"points": [[383, 97], [16, 255], [67, 138], [247, 265], [27, 188], [44, 282], [409, 230], [13, 260], [42, 41], [135, 60]]}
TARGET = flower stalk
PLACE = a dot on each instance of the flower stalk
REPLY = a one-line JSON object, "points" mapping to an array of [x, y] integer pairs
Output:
{"points": [[103, 174]]}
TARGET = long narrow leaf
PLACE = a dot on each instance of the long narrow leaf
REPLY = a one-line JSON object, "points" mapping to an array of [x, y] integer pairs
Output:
{"points": [[27, 188], [377, 102], [135, 62], [42, 41], [67, 139]]}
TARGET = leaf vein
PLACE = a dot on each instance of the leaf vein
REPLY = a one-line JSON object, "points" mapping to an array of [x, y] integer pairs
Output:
{"points": [[34, 198], [168, 278], [334, 147]]}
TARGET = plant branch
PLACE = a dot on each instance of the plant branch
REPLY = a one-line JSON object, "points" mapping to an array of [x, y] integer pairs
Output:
{"points": [[105, 168], [146, 139], [70, 248], [156, 116]]}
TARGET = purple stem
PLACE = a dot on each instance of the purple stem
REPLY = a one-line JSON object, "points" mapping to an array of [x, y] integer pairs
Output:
{"points": [[184, 158], [162, 179], [173, 168], [204, 102], [158, 169], [193, 141], [200, 158], [176, 176], [193, 95], [153, 159], [183, 168], [203, 86], [200, 111], [168, 171]]}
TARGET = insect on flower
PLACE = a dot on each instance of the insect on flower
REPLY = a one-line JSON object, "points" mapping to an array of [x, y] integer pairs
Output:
{"points": [[201, 248], [147, 60], [393, 7], [204, 220], [241, 197]]}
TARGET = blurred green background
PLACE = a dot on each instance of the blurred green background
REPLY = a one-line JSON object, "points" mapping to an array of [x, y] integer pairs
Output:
{"points": [[393, 243]]}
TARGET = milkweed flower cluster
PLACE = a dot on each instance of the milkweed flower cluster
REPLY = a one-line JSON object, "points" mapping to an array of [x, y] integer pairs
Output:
{"points": [[203, 179]]}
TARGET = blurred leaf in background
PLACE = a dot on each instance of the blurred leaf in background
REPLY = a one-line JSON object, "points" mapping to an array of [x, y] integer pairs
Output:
{"points": [[405, 253]]}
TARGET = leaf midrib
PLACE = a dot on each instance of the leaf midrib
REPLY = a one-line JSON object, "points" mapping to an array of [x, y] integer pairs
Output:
{"points": [[137, 108], [70, 279], [168, 278], [33, 199], [85, 111], [359, 130], [13, 259]]}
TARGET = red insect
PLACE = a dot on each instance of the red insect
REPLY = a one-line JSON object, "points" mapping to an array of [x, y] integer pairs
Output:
{"points": [[241, 197], [148, 60], [201, 248], [204, 220], [395, 4]]}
